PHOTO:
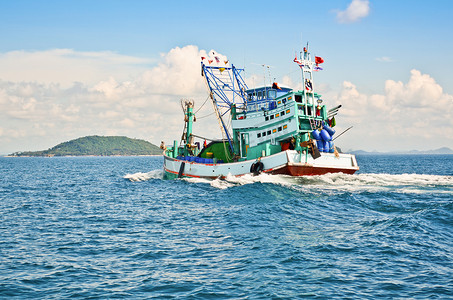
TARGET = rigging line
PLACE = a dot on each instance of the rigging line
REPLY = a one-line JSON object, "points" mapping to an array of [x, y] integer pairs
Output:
{"points": [[269, 73], [204, 138], [183, 133], [226, 152], [202, 104], [287, 74], [216, 111], [206, 116]]}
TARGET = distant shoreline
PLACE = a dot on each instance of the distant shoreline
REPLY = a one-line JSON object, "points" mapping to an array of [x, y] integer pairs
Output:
{"points": [[17, 156], [96, 145], [397, 153], [145, 155]]}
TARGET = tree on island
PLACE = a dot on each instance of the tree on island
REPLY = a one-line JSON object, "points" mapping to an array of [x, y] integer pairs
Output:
{"points": [[99, 146]]}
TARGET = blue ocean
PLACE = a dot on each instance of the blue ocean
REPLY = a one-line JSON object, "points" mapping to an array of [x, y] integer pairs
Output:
{"points": [[111, 227]]}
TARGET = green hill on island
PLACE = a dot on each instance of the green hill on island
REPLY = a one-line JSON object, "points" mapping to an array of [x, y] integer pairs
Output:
{"points": [[98, 145]]}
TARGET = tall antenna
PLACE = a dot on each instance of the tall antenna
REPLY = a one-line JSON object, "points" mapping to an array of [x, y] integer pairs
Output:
{"points": [[269, 73], [301, 41]]}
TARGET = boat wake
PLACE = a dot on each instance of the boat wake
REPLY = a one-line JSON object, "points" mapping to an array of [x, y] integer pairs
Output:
{"points": [[399, 183], [232, 181], [339, 182], [154, 174]]}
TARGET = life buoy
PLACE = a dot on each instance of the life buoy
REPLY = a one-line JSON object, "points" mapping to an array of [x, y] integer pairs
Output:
{"points": [[256, 168]]}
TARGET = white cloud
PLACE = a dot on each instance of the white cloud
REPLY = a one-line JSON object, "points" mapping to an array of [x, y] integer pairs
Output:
{"points": [[356, 10], [412, 115], [384, 59], [66, 66], [66, 94], [39, 112]]}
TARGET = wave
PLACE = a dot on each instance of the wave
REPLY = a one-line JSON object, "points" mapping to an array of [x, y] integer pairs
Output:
{"points": [[400, 183], [154, 174], [232, 181], [365, 182]]}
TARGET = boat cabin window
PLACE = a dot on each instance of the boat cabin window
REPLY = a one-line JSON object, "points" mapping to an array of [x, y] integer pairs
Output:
{"points": [[298, 98], [268, 132], [272, 94], [258, 135]]}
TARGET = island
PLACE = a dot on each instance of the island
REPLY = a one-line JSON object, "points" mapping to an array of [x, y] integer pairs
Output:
{"points": [[98, 146], [440, 151]]}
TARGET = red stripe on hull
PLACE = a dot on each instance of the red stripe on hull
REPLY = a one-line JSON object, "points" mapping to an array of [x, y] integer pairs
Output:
{"points": [[310, 170]]}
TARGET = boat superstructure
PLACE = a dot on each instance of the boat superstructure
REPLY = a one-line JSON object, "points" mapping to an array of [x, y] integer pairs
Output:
{"points": [[269, 129]]}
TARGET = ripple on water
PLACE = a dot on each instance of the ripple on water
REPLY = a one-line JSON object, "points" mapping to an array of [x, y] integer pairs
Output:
{"points": [[113, 228]]}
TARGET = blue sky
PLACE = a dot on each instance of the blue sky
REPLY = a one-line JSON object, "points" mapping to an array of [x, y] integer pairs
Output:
{"points": [[387, 62]]}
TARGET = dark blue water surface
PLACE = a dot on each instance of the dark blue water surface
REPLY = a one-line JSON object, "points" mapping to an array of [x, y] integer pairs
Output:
{"points": [[110, 227]]}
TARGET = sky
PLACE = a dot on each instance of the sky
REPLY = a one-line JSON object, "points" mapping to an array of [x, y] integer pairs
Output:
{"points": [[75, 68]]}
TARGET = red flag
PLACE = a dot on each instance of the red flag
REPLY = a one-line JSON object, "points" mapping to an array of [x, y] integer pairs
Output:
{"points": [[318, 60], [298, 62], [203, 58], [210, 61], [217, 59]]}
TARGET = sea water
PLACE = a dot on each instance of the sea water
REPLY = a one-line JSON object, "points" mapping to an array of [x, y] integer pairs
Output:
{"points": [[111, 227]]}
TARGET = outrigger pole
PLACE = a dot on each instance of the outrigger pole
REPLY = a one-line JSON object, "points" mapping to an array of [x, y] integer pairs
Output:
{"points": [[226, 90], [341, 133]]}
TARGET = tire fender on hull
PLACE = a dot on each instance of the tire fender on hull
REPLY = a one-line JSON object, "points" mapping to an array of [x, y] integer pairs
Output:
{"points": [[256, 168]]}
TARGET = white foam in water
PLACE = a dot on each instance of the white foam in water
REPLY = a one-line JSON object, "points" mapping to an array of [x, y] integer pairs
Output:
{"points": [[155, 174], [231, 181], [400, 183]]}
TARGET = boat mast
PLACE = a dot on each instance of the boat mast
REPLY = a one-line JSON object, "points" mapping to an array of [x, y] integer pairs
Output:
{"points": [[189, 118], [307, 80]]}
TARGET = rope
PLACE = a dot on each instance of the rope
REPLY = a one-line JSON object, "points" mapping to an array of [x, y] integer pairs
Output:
{"points": [[206, 116], [218, 113], [202, 105], [203, 138]]}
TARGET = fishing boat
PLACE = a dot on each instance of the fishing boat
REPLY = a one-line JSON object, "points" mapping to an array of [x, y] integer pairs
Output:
{"points": [[270, 129]]}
